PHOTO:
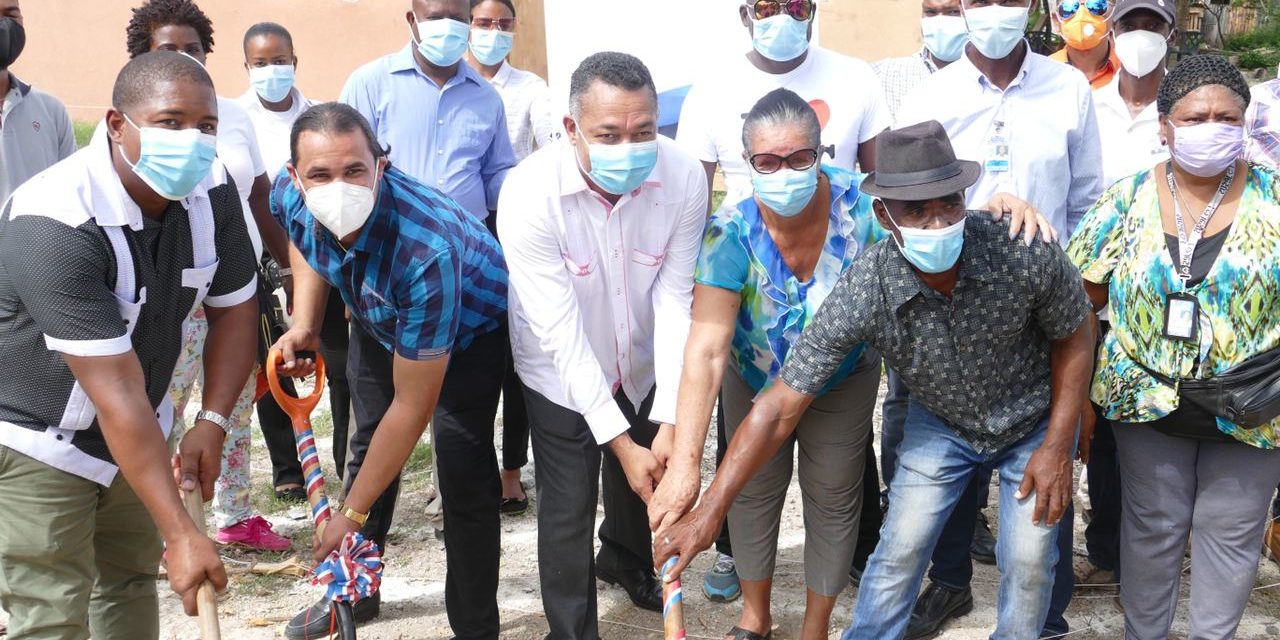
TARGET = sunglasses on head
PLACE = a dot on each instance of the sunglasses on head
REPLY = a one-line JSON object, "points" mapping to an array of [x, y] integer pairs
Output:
{"points": [[1067, 9], [501, 24], [801, 10], [801, 160]]}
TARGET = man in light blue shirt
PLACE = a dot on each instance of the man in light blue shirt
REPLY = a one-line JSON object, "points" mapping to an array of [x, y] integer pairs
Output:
{"points": [[444, 124]]}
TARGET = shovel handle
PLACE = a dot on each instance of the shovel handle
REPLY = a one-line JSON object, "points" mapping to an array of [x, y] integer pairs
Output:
{"points": [[206, 597], [297, 408], [672, 605]]}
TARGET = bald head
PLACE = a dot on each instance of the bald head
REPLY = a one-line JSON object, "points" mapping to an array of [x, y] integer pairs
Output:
{"points": [[139, 79]]}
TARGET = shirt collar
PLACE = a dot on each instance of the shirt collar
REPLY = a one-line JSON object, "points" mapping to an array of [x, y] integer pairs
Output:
{"points": [[966, 64], [112, 205], [503, 76], [928, 60], [404, 61]]}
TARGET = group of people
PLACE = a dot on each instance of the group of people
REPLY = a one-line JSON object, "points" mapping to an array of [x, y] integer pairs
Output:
{"points": [[1047, 259]]}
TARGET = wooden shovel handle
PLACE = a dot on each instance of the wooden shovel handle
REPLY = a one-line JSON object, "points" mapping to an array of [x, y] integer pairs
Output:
{"points": [[206, 597]]}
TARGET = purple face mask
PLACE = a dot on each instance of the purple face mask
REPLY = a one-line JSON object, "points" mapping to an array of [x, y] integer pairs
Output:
{"points": [[1207, 149]]}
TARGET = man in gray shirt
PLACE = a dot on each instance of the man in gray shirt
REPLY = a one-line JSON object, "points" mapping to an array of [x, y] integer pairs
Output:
{"points": [[994, 338], [34, 125]]}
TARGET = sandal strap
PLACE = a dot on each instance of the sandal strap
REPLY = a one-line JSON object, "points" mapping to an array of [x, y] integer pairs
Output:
{"points": [[738, 633]]}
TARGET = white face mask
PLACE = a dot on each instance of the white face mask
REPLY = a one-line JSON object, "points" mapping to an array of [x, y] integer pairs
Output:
{"points": [[1140, 52], [341, 207]]}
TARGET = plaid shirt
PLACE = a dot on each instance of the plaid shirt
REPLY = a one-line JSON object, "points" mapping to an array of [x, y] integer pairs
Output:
{"points": [[979, 359], [898, 76], [1263, 124], [424, 277]]}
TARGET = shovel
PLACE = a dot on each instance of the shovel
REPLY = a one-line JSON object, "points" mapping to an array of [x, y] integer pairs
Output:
{"points": [[206, 598]]}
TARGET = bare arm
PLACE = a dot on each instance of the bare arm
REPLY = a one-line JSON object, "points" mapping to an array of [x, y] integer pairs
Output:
{"points": [[273, 235], [417, 390], [867, 156], [772, 420], [1098, 294], [117, 387], [705, 357]]}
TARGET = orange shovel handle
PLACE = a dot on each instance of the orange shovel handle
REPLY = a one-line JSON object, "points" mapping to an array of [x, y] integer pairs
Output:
{"points": [[297, 408]]}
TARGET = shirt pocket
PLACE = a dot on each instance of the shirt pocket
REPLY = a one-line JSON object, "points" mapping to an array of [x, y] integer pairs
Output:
{"points": [[581, 267], [374, 308], [200, 279]]}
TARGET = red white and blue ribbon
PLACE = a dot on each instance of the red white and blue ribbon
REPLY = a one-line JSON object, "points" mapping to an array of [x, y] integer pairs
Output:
{"points": [[352, 572], [672, 615], [314, 476]]}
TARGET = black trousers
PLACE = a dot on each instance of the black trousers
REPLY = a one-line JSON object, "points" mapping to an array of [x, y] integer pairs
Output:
{"points": [[568, 463], [515, 420], [277, 428], [465, 460], [1102, 534]]}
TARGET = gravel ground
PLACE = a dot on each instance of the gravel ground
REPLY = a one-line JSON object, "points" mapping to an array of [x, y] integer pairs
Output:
{"points": [[256, 607]]}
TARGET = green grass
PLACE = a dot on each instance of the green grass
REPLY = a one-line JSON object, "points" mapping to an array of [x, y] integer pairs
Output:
{"points": [[1259, 59], [84, 131]]}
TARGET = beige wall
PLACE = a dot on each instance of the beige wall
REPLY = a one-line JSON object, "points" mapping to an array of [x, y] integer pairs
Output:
{"points": [[76, 47], [870, 29]]}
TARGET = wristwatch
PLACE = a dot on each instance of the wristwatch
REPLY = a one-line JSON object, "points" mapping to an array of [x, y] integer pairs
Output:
{"points": [[353, 515], [216, 418]]}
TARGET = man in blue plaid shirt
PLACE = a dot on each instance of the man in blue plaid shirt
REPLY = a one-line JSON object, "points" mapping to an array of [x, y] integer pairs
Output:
{"points": [[426, 286]]}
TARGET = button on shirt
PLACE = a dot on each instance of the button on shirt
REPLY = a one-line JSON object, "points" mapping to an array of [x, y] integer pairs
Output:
{"points": [[600, 294], [37, 134], [1055, 154], [527, 101], [453, 138], [64, 289], [424, 277], [898, 76], [979, 359], [1129, 144]]}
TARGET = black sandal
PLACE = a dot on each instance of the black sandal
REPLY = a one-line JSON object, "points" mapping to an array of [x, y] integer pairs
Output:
{"points": [[514, 506], [738, 633], [293, 494]]}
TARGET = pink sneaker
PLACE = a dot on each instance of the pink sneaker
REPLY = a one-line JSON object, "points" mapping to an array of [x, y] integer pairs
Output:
{"points": [[254, 533]]}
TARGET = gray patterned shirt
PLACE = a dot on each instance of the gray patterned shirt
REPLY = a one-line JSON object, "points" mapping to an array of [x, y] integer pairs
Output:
{"points": [[980, 359]]}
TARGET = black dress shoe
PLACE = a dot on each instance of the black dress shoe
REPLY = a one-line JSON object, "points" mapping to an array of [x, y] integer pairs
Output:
{"points": [[314, 623], [983, 546], [640, 584], [935, 607]]}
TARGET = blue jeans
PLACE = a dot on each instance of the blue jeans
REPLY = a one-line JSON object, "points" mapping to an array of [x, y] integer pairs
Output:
{"points": [[935, 465], [893, 413]]}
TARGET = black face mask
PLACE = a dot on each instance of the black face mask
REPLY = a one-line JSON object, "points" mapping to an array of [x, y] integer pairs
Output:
{"points": [[12, 39]]}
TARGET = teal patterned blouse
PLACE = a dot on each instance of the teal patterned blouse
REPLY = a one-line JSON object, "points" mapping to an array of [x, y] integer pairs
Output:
{"points": [[738, 254], [1121, 243]]}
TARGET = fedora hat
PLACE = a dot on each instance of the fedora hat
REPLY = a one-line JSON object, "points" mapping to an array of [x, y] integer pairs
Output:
{"points": [[918, 163]]}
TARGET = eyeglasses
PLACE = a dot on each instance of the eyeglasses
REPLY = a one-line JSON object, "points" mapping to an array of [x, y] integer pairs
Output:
{"points": [[1068, 8], [801, 160], [501, 24], [801, 10]]}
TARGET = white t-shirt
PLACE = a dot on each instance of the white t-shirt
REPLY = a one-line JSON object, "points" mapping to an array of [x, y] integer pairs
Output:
{"points": [[844, 91], [1129, 144], [238, 150], [273, 128]]}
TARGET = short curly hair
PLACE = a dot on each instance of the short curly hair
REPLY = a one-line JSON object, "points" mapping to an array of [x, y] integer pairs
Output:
{"points": [[155, 14]]}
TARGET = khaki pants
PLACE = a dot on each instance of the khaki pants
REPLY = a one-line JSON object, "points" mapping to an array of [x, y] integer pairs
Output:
{"points": [[76, 558]]}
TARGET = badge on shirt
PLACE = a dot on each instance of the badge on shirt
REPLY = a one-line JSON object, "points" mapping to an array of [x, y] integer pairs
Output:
{"points": [[1181, 316], [998, 150]]}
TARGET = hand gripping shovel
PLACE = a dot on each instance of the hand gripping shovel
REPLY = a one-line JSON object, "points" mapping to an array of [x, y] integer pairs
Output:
{"points": [[354, 570], [206, 598]]}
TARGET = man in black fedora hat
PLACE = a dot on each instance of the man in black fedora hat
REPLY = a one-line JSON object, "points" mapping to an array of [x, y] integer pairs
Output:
{"points": [[995, 339]]}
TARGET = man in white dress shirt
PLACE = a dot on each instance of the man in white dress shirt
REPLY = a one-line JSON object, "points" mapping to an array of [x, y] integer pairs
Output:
{"points": [[1030, 122], [601, 233]]}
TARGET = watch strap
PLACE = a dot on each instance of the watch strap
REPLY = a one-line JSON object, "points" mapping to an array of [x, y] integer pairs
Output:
{"points": [[353, 515], [216, 418]]}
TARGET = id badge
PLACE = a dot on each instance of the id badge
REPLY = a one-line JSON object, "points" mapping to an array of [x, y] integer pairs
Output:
{"points": [[1181, 317]]}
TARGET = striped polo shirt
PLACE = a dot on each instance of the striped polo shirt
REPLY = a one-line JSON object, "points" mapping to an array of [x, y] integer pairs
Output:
{"points": [[424, 276]]}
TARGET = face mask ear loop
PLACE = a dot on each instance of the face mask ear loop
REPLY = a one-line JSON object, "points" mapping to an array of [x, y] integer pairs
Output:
{"points": [[887, 214]]}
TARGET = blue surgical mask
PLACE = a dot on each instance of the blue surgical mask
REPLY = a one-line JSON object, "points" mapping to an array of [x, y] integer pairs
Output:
{"points": [[930, 250], [945, 36], [443, 42], [995, 30], [173, 161], [272, 82], [786, 191], [780, 38], [490, 46], [620, 168]]}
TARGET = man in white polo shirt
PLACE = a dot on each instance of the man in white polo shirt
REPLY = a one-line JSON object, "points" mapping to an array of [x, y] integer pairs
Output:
{"points": [[102, 258], [36, 129], [601, 231], [1128, 125]]}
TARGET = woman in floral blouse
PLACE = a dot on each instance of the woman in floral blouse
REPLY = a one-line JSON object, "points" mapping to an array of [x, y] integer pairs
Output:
{"points": [[1188, 256]]}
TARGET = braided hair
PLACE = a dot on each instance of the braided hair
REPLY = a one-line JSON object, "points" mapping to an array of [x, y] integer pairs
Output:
{"points": [[1195, 72]]}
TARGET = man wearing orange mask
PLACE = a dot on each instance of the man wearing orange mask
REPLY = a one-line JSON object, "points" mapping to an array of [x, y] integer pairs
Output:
{"points": [[1085, 25]]}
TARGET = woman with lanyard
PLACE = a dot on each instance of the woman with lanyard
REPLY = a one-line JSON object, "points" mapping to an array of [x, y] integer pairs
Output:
{"points": [[1188, 256], [765, 268]]}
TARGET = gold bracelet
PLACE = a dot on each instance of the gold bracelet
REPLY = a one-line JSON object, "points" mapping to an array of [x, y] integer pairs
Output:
{"points": [[353, 515]]}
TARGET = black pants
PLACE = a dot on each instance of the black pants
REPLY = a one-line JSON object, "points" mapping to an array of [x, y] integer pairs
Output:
{"points": [[1102, 534], [568, 463], [465, 460], [515, 420], [277, 428]]}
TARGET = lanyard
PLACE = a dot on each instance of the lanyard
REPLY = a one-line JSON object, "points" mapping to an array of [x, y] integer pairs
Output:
{"points": [[1187, 243]]}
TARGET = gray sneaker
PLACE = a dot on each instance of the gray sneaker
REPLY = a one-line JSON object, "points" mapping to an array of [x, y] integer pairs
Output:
{"points": [[720, 584]]}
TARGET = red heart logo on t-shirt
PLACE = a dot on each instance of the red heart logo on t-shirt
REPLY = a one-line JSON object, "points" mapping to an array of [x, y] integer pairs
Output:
{"points": [[823, 110]]}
